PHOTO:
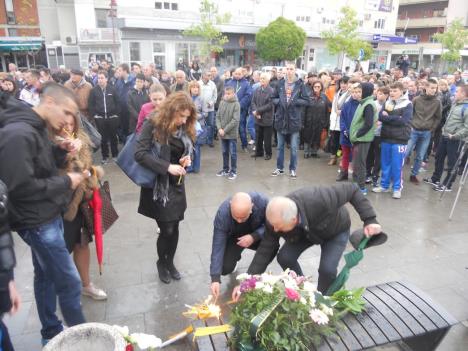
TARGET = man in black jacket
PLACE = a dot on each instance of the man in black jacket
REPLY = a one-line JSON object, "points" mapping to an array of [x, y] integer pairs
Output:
{"points": [[137, 97], [37, 196], [313, 216], [103, 105]]}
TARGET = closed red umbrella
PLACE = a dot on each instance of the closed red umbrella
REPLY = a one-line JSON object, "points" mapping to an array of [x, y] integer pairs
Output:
{"points": [[96, 204]]}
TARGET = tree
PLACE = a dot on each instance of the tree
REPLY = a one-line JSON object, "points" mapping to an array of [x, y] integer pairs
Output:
{"points": [[344, 39], [453, 40], [213, 38], [281, 40]]}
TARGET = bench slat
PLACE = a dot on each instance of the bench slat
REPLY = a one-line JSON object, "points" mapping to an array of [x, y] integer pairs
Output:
{"points": [[348, 339], [374, 331], [203, 343], [358, 331], [219, 340], [402, 314], [426, 323], [448, 319], [336, 344]]}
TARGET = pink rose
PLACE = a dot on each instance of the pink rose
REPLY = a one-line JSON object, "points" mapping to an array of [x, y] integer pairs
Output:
{"points": [[292, 294]]}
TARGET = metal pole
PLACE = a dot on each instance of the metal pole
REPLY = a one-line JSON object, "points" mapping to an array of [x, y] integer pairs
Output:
{"points": [[460, 187]]}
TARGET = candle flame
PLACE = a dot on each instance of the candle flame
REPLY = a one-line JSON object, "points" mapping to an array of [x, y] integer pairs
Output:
{"points": [[205, 310]]}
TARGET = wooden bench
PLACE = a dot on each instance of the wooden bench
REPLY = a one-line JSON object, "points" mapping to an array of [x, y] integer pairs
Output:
{"points": [[396, 314]]}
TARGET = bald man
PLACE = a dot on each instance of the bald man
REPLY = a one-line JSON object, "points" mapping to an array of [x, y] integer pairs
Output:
{"points": [[313, 216], [239, 224]]}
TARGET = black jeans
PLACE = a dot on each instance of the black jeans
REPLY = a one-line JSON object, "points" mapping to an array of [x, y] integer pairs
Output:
{"points": [[263, 136], [233, 252], [335, 136], [108, 128], [167, 241], [360, 151], [332, 250], [449, 149], [373, 160]]}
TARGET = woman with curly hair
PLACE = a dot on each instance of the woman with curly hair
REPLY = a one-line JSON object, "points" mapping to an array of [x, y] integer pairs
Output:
{"points": [[165, 146], [77, 237]]}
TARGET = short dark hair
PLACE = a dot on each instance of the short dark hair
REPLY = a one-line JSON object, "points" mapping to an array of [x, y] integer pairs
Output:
{"points": [[384, 90], [229, 88], [125, 67], [104, 73], [136, 64], [58, 92], [432, 81], [35, 73], [140, 76], [397, 85], [45, 70]]}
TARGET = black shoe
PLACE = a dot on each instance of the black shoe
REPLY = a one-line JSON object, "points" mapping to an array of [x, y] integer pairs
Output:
{"points": [[173, 271], [267, 157], [256, 155], [342, 177], [274, 144], [314, 156], [211, 145], [430, 181], [163, 272]]}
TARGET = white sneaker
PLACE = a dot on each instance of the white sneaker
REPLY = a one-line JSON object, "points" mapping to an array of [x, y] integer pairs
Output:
{"points": [[251, 142], [93, 292], [397, 194], [379, 189]]}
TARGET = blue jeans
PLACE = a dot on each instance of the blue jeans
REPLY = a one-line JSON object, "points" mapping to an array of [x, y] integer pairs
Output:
{"points": [[196, 162], [392, 159], [331, 252], [243, 127], [55, 275], [229, 147], [294, 147], [420, 141], [210, 122]]}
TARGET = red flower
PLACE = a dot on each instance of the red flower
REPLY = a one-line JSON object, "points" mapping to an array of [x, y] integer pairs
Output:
{"points": [[129, 347], [292, 294]]}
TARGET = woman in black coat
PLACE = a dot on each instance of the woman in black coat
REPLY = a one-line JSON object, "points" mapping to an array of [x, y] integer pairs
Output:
{"points": [[165, 146], [315, 120], [262, 109]]}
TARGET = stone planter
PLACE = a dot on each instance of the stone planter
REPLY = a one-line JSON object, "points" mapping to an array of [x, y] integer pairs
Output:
{"points": [[88, 336]]}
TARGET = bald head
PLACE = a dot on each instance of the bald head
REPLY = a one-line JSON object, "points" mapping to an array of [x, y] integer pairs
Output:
{"points": [[281, 213], [241, 207]]}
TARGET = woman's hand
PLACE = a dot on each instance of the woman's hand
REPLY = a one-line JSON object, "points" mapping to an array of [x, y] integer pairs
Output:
{"points": [[185, 161], [176, 170]]}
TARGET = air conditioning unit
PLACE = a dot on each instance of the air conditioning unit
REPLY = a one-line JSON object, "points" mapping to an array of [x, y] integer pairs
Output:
{"points": [[70, 40], [367, 17]]}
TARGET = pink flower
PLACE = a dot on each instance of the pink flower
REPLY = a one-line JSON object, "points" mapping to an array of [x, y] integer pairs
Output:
{"points": [[292, 294]]}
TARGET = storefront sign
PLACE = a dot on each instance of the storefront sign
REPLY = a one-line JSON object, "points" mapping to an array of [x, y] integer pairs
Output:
{"points": [[386, 5], [393, 39]]}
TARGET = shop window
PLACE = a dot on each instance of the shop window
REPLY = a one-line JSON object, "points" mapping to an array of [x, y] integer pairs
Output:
{"points": [[158, 5], [10, 12], [134, 51]]}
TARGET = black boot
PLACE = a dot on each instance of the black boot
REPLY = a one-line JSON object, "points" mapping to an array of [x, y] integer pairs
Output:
{"points": [[175, 274], [163, 272], [342, 176]]}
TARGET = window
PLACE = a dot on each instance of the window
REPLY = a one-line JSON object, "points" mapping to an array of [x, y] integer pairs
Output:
{"points": [[311, 54], [10, 12], [134, 51], [167, 6], [159, 47], [380, 23], [158, 5], [12, 32], [298, 18], [101, 18], [308, 19], [174, 6]]}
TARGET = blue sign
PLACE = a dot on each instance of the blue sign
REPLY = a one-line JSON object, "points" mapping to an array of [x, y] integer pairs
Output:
{"points": [[393, 39]]}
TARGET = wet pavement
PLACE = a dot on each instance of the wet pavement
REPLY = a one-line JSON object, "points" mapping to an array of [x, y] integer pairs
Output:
{"points": [[424, 248]]}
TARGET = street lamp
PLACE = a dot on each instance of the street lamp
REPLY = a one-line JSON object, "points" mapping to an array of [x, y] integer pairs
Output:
{"points": [[113, 15]]}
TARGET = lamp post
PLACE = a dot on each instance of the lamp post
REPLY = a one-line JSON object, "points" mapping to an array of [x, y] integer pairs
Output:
{"points": [[113, 15]]}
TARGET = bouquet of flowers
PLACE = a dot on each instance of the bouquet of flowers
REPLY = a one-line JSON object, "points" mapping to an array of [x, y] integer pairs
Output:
{"points": [[138, 341], [286, 312]]}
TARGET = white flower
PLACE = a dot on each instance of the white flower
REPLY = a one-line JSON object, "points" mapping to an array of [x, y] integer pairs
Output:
{"points": [[146, 341], [290, 284], [327, 310], [122, 330], [268, 289], [270, 279], [243, 276], [259, 285], [303, 301], [312, 300], [318, 317], [309, 287]]}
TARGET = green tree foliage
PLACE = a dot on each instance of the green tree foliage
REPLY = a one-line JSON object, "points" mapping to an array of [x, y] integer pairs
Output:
{"points": [[213, 38], [344, 39], [453, 40], [281, 40]]}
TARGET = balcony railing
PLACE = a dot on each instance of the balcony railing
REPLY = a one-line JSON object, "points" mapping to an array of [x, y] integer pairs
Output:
{"points": [[99, 35], [422, 22]]}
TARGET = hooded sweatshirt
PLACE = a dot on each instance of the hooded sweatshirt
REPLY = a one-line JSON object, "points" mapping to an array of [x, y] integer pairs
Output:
{"points": [[427, 113], [228, 117], [346, 117], [364, 118], [29, 168], [396, 127]]}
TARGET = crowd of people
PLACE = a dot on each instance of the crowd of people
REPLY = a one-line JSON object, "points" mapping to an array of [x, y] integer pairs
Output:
{"points": [[368, 125]]}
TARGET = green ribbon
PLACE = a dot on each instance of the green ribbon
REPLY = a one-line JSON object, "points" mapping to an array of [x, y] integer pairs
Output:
{"points": [[351, 259], [260, 318]]}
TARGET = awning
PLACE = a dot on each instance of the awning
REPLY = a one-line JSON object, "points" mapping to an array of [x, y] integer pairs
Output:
{"points": [[15, 44]]}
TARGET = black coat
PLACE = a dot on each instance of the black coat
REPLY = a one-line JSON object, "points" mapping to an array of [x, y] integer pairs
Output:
{"points": [[29, 166], [316, 117], [103, 103], [322, 214], [170, 154], [262, 103], [136, 99]]}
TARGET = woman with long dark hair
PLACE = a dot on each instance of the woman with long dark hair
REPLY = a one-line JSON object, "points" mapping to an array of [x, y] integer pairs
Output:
{"points": [[165, 146], [315, 120]]}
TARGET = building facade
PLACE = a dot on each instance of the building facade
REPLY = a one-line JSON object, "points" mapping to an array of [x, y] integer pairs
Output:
{"points": [[20, 34], [421, 19]]}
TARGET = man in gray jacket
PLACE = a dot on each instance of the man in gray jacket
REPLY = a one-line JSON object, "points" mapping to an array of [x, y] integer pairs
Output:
{"points": [[208, 96], [262, 110], [454, 132]]}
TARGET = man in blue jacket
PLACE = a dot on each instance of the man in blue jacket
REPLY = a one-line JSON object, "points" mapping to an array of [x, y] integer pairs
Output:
{"points": [[239, 224], [290, 98], [123, 85], [244, 95]]}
